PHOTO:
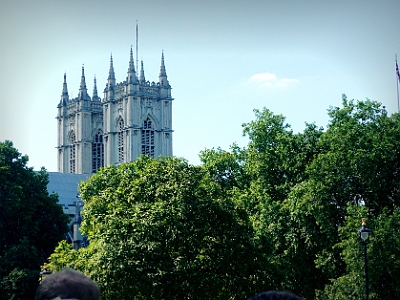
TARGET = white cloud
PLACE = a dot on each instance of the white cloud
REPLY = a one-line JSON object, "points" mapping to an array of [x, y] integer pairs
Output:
{"points": [[270, 80]]}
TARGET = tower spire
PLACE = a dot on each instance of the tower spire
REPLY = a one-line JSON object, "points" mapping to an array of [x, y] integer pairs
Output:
{"points": [[131, 63], [83, 95], [131, 70], [142, 78], [111, 74], [162, 68], [64, 94], [162, 78], [95, 95]]}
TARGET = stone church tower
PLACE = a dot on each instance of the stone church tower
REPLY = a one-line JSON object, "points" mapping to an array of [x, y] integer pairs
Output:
{"points": [[133, 118]]}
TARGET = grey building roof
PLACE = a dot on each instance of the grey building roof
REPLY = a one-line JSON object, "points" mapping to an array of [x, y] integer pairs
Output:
{"points": [[66, 186]]}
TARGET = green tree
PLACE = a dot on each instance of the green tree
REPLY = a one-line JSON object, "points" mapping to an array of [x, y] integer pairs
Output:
{"points": [[383, 257], [275, 157], [225, 167], [276, 160], [163, 229], [360, 161], [301, 185], [31, 224], [356, 164]]}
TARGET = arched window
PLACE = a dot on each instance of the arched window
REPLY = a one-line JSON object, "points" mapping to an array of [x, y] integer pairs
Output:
{"points": [[97, 152], [72, 153], [148, 138], [121, 141]]}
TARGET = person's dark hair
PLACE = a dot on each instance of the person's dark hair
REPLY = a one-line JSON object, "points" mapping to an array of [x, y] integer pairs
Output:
{"points": [[274, 295], [67, 284]]}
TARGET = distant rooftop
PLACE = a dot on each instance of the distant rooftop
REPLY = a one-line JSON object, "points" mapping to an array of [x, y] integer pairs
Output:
{"points": [[65, 185]]}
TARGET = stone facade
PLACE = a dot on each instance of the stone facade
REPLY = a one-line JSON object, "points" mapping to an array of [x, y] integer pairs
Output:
{"points": [[133, 118]]}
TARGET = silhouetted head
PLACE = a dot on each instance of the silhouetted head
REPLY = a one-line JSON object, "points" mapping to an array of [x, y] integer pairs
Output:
{"points": [[67, 284], [274, 295]]}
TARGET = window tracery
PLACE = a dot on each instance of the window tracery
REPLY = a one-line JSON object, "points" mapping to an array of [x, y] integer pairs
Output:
{"points": [[121, 141], [72, 153], [148, 138], [97, 152]]}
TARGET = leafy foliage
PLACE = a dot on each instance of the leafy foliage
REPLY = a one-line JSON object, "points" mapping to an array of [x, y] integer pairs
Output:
{"points": [[302, 184], [31, 223], [163, 229], [225, 168]]}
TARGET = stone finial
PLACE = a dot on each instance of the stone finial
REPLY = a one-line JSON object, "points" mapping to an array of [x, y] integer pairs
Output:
{"points": [[83, 95], [111, 74], [142, 78], [162, 68], [162, 78], [64, 94], [131, 70], [95, 88]]}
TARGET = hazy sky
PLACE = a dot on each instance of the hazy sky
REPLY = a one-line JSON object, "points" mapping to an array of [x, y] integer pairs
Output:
{"points": [[223, 59]]}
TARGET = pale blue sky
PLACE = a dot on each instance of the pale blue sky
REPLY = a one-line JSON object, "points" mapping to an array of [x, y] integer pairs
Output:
{"points": [[223, 59]]}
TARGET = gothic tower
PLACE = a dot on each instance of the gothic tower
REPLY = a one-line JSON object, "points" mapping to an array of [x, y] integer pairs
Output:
{"points": [[79, 121], [133, 118]]}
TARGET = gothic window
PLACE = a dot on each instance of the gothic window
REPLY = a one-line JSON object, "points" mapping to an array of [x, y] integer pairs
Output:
{"points": [[121, 142], [148, 138], [72, 153], [97, 152]]}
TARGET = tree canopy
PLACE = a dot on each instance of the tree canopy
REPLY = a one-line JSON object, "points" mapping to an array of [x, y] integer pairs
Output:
{"points": [[162, 229], [31, 224]]}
